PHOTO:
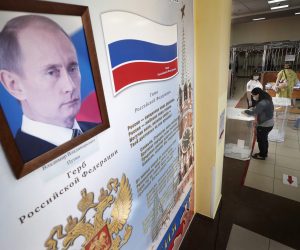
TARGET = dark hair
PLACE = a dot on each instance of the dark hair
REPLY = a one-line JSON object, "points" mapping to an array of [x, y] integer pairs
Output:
{"points": [[10, 51], [255, 74], [263, 95]]}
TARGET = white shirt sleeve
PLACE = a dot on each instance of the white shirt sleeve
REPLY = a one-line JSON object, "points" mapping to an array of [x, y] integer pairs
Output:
{"points": [[249, 86]]}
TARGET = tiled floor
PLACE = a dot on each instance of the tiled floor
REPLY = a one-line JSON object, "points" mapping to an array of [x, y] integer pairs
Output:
{"points": [[283, 163], [283, 159], [243, 239], [248, 218], [274, 218]]}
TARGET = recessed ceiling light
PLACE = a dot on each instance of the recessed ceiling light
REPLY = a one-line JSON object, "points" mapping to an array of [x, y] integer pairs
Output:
{"points": [[275, 1], [297, 13], [279, 7], [258, 19]]}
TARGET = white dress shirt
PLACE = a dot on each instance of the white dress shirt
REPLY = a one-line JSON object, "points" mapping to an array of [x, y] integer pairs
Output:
{"points": [[51, 133]]}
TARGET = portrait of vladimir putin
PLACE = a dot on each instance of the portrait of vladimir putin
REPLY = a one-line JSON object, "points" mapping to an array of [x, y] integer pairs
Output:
{"points": [[39, 67]]}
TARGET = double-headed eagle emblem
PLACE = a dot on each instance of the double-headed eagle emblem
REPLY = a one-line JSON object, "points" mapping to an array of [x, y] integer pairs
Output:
{"points": [[98, 233]]}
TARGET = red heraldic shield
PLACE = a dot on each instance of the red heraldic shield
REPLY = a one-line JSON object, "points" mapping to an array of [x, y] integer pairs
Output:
{"points": [[101, 241]]}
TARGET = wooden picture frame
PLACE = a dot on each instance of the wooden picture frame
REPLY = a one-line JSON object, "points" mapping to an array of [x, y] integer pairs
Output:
{"points": [[20, 167]]}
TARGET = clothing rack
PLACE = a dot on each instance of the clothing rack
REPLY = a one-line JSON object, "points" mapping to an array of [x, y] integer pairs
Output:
{"points": [[248, 58]]}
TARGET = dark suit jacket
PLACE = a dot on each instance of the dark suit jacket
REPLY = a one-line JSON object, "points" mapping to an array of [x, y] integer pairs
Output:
{"points": [[31, 146]]}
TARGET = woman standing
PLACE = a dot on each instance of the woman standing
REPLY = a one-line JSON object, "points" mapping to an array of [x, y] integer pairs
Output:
{"points": [[285, 82], [251, 84], [263, 111]]}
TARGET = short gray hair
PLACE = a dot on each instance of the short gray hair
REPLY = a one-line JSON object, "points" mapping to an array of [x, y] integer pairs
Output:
{"points": [[10, 50]]}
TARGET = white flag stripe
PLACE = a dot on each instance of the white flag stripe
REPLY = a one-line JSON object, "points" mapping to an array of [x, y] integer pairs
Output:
{"points": [[118, 25]]}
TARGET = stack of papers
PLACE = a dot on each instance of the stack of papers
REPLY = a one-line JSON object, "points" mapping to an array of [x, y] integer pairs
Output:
{"points": [[235, 151], [269, 85]]}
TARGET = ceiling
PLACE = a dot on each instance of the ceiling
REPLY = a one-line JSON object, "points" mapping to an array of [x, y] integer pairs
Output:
{"points": [[244, 11]]}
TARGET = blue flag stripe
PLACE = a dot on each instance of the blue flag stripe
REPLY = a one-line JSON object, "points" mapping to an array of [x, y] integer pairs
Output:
{"points": [[131, 50]]}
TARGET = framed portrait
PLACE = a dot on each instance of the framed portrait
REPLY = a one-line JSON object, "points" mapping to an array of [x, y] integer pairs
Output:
{"points": [[51, 94]]}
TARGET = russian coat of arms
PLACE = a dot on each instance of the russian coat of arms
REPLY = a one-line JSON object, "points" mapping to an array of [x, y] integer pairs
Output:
{"points": [[98, 233]]}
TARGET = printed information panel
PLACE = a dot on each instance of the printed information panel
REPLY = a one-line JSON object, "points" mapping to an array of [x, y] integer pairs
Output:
{"points": [[132, 185]]}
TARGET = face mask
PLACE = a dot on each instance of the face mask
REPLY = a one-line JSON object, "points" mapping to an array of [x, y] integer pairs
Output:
{"points": [[255, 97], [255, 77]]}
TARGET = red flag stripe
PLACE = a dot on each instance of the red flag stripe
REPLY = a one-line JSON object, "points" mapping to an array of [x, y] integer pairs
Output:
{"points": [[143, 71]]}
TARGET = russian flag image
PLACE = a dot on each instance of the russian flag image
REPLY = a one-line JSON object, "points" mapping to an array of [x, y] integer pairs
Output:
{"points": [[139, 49]]}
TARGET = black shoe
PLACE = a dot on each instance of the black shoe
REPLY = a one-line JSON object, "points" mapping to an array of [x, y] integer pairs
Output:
{"points": [[258, 157]]}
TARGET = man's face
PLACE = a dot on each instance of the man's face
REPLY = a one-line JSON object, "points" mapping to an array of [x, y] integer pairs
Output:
{"points": [[51, 78]]}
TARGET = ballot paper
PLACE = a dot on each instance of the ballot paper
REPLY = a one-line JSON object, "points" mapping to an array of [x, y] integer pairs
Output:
{"points": [[240, 143]]}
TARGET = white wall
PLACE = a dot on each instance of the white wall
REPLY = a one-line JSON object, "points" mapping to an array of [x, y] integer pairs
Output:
{"points": [[265, 31]]}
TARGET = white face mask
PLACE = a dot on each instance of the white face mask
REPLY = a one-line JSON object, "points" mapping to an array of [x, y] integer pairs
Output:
{"points": [[255, 77], [255, 97]]}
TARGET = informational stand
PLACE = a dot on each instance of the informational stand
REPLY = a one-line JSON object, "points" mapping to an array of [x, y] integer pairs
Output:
{"points": [[239, 134], [131, 186], [281, 105]]}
